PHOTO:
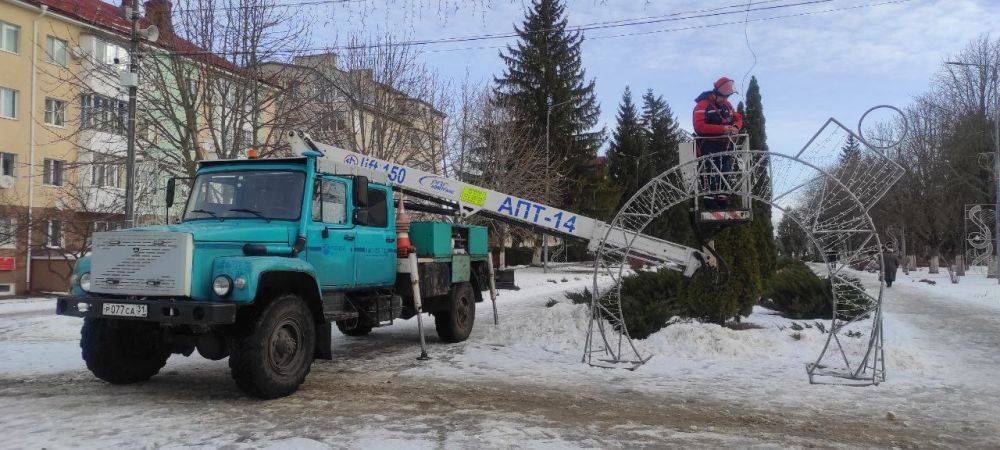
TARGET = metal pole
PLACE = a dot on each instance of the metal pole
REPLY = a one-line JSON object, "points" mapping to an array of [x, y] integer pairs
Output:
{"points": [[133, 67], [545, 241], [996, 178], [548, 119]]}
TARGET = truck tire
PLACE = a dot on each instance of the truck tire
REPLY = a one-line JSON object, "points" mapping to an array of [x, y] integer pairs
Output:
{"points": [[455, 324], [123, 351], [353, 327], [273, 349]]}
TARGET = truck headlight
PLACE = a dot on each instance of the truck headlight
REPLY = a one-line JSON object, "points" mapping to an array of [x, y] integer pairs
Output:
{"points": [[85, 281], [222, 285]]}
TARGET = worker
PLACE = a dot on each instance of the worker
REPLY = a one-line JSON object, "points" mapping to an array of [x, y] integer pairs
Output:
{"points": [[715, 121]]}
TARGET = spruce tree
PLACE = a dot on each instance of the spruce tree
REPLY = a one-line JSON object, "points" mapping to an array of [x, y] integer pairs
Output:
{"points": [[626, 148], [545, 77], [663, 135]]}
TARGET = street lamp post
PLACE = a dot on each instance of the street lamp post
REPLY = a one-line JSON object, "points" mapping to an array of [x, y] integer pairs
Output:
{"points": [[996, 160], [548, 117]]}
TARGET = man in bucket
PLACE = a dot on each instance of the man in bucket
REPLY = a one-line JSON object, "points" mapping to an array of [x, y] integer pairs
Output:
{"points": [[715, 121]]}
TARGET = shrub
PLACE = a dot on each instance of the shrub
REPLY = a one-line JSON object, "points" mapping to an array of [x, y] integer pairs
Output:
{"points": [[649, 299], [798, 293]]}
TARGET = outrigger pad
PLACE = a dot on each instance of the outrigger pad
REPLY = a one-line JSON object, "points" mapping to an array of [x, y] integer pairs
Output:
{"points": [[724, 216]]}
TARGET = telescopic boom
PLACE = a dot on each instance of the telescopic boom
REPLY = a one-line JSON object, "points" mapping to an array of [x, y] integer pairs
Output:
{"points": [[471, 199]]}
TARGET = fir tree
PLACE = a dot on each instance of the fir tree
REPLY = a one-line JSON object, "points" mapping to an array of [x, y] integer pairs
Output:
{"points": [[544, 77]]}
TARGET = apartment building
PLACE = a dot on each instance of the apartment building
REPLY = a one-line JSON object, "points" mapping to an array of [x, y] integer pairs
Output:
{"points": [[63, 118], [353, 110]]}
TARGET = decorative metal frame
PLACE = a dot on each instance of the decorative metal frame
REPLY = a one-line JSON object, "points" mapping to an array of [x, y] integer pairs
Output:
{"points": [[836, 221], [979, 233]]}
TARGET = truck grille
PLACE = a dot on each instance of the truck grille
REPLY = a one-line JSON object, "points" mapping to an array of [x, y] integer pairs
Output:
{"points": [[143, 263]]}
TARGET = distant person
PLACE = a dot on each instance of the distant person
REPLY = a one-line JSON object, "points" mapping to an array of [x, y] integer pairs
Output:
{"points": [[890, 262], [715, 120]]}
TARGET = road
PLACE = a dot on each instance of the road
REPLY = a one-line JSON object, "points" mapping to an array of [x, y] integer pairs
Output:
{"points": [[375, 394]]}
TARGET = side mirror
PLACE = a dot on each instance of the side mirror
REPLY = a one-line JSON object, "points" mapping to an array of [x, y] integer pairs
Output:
{"points": [[360, 188], [171, 190], [361, 217]]}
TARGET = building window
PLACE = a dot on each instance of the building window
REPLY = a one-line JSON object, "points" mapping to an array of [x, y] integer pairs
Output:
{"points": [[52, 172], [55, 51], [104, 225], [53, 234], [55, 112], [7, 232], [8, 103], [7, 161], [109, 53], [101, 113], [106, 171], [10, 37]]}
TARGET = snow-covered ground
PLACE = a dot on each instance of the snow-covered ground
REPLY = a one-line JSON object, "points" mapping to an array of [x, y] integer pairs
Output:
{"points": [[522, 383]]}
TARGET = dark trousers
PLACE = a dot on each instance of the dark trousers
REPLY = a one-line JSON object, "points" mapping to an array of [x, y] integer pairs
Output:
{"points": [[711, 179]]}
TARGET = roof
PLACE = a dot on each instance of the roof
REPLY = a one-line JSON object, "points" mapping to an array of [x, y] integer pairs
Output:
{"points": [[112, 18]]}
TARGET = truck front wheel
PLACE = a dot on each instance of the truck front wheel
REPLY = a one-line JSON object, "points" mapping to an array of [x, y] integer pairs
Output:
{"points": [[273, 349], [455, 324], [122, 351]]}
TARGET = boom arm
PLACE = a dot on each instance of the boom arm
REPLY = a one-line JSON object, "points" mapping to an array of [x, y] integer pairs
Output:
{"points": [[473, 199]]}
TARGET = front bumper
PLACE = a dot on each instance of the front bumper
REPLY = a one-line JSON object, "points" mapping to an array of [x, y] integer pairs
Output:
{"points": [[168, 311]]}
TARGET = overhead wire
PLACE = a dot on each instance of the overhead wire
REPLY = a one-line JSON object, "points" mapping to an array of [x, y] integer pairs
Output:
{"points": [[590, 38]]}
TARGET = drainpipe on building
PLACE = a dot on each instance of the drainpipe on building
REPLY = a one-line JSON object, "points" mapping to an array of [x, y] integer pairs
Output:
{"points": [[32, 144]]}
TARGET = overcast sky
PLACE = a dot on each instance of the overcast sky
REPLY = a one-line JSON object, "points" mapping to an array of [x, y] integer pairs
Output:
{"points": [[810, 67]]}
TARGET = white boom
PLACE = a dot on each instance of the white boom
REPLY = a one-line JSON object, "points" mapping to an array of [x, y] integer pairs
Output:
{"points": [[473, 199]]}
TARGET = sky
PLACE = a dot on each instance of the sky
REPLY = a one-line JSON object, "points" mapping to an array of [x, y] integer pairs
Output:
{"points": [[810, 67]]}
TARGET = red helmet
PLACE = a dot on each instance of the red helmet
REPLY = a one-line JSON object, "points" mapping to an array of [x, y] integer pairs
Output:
{"points": [[724, 87]]}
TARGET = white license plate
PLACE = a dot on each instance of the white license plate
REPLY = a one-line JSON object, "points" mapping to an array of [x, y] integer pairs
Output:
{"points": [[118, 309]]}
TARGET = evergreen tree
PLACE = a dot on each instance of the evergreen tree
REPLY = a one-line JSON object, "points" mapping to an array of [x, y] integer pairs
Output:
{"points": [[753, 124], [850, 154], [662, 136], [545, 86], [626, 148]]}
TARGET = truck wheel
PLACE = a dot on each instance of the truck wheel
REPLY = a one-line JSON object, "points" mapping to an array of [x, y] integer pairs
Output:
{"points": [[123, 352], [272, 350], [353, 327], [455, 324]]}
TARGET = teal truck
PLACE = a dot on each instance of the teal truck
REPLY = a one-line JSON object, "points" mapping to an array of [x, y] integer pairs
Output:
{"points": [[269, 254]]}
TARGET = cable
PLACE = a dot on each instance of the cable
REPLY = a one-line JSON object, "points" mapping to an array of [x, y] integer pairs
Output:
{"points": [[746, 37], [642, 33], [578, 28]]}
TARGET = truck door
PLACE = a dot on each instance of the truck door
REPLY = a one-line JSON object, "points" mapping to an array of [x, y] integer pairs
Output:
{"points": [[331, 237], [376, 243]]}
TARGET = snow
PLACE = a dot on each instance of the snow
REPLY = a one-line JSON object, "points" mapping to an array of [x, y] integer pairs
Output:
{"points": [[941, 345]]}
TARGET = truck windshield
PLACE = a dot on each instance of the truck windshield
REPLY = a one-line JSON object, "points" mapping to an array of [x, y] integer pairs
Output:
{"points": [[262, 194]]}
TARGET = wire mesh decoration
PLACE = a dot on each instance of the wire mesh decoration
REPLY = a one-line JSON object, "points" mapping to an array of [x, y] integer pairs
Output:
{"points": [[826, 194], [979, 220]]}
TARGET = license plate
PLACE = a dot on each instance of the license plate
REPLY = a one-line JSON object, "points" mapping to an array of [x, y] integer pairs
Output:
{"points": [[119, 309]]}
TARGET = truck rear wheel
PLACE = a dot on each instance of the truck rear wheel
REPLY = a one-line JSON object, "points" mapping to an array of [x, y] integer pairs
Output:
{"points": [[455, 324], [122, 351], [273, 349]]}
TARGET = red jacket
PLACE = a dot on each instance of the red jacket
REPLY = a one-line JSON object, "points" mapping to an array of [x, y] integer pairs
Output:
{"points": [[711, 119]]}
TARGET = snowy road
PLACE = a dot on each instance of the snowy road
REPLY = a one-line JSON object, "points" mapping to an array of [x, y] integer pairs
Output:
{"points": [[521, 384]]}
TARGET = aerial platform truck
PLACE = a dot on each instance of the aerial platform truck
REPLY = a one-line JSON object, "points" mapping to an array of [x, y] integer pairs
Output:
{"points": [[271, 253]]}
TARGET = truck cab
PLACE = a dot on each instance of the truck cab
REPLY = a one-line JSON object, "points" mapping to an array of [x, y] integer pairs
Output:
{"points": [[267, 256]]}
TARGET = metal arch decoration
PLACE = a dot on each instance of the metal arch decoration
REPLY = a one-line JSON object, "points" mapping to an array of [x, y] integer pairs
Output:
{"points": [[979, 221], [836, 221]]}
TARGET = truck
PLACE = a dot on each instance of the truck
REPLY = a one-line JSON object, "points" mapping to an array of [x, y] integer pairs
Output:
{"points": [[270, 254]]}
